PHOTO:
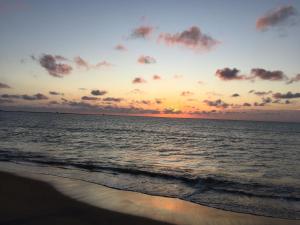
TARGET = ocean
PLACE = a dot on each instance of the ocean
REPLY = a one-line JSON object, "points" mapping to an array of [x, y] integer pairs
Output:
{"points": [[242, 166]]}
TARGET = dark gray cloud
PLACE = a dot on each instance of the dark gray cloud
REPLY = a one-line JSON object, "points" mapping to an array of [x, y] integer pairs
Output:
{"points": [[89, 98], [142, 32], [266, 100], [146, 60], [5, 101], [37, 96], [98, 92], [275, 17], [2, 85], [55, 93], [192, 38], [138, 80], [111, 99], [263, 74], [158, 101], [288, 95], [235, 95], [217, 103], [53, 66], [229, 74], [294, 79]]}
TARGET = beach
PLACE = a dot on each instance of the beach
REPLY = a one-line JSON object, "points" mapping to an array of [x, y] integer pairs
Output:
{"points": [[56, 200]]}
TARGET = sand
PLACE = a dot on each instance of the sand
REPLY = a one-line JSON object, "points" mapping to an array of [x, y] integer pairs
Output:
{"points": [[46, 199]]}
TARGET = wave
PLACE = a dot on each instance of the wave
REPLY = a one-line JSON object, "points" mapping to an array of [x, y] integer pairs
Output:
{"points": [[200, 184]]}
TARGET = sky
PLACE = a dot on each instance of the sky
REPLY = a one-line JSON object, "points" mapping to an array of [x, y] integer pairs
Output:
{"points": [[199, 59]]}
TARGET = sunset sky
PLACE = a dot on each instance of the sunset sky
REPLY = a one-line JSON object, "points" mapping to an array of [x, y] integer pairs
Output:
{"points": [[171, 58]]}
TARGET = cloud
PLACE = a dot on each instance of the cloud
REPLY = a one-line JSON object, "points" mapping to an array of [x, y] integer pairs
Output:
{"points": [[275, 18], [288, 95], [294, 79], [103, 64], [80, 62], [229, 74], [235, 95], [37, 96], [217, 103], [266, 100], [89, 98], [186, 93], [138, 80], [142, 32], [2, 85], [55, 93], [233, 74], [191, 38], [247, 104], [260, 93], [98, 92], [172, 111], [263, 74], [120, 47], [156, 77], [146, 60], [111, 99], [158, 101], [52, 65], [136, 91], [82, 89]]}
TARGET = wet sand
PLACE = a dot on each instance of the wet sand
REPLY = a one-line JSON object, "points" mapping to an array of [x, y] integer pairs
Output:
{"points": [[46, 201]]}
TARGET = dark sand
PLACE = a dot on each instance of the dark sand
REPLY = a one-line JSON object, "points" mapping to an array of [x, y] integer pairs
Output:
{"points": [[31, 202], [28, 201]]}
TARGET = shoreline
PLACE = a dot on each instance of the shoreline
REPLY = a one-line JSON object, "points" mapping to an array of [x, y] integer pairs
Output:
{"points": [[107, 204]]}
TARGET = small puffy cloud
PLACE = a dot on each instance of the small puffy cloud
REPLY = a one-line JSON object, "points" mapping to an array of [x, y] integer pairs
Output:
{"points": [[217, 103], [288, 95], [142, 32], [2, 85], [138, 80], [98, 92], [89, 98], [156, 77], [172, 111], [146, 60], [54, 66], [111, 99], [80, 62], [263, 74], [191, 38], [246, 104], [158, 101], [294, 79], [55, 93], [275, 17], [266, 100], [120, 47], [229, 74], [186, 93], [235, 95]]}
